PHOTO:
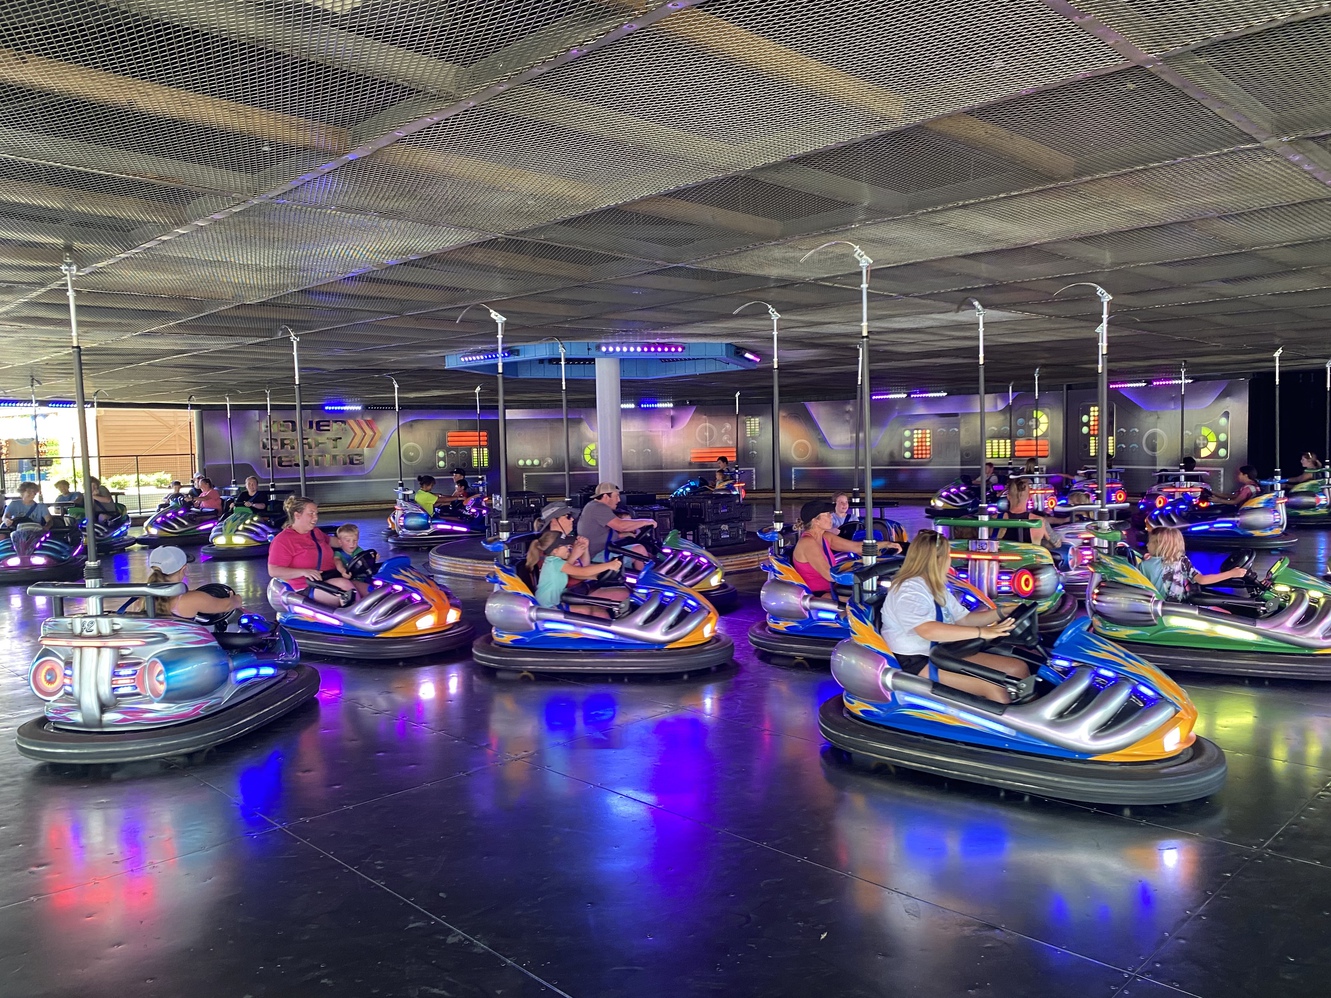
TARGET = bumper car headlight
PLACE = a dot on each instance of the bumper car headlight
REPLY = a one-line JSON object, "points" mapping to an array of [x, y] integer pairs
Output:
{"points": [[715, 578]]}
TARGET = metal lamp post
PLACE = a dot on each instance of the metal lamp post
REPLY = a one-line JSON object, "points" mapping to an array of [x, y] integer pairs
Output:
{"points": [[1102, 392], [300, 415], [778, 517], [92, 568], [870, 549], [397, 432]]}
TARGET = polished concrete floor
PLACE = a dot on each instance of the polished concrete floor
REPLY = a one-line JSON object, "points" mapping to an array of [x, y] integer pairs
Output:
{"points": [[433, 830]]}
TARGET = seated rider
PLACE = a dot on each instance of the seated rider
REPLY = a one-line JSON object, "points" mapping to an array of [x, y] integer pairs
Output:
{"points": [[65, 496], [1018, 494], [252, 497], [104, 506], [173, 498], [919, 611], [1171, 572], [302, 552], [425, 496], [208, 498], [840, 510], [815, 552], [461, 490], [167, 564], [346, 548], [1248, 486], [600, 516], [27, 508], [1311, 468], [724, 476], [562, 558]]}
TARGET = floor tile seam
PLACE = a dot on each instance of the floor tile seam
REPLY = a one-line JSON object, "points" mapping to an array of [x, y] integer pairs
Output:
{"points": [[840, 873], [1135, 978], [428, 914], [279, 823], [1139, 970], [272, 827], [614, 727], [1266, 846]]}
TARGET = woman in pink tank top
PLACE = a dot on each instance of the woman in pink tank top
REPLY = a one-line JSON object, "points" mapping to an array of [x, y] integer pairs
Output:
{"points": [[816, 550]]}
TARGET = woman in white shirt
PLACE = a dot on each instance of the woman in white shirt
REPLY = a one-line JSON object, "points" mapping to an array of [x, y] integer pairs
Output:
{"points": [[919, 611]]}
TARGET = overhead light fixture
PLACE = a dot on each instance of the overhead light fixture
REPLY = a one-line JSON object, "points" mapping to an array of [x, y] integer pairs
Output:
{"points": [[1170, 381], [1127, 384], [649, 348]]}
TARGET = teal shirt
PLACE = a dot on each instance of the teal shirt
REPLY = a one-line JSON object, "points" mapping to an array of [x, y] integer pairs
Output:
{"points": [[550, 586], [345, 558]]}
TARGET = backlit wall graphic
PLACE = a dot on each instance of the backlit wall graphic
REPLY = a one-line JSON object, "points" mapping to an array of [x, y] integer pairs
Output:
{"points": [[918, 443]]}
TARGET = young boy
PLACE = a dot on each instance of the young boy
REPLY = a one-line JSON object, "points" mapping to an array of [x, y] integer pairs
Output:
{"points": [[173, 498], [64, 496], [346, 546]]}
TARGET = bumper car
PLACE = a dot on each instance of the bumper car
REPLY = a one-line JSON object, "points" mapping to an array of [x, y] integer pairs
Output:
{"points": [[1093, 722], [960, 497], [1172, 486], [32, 553], [1083, 541], [1013, 572], [409, 525], [1088, 485], [799, 628], [405, 614], [1274, 626], [1258, 524], [180, 525], [663, 628], [683, 562], [242, 534], [112, 531], [123, 689], [1308, 504]]}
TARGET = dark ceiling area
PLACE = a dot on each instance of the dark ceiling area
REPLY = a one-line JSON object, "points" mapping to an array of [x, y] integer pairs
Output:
{"points": [[360, 171]]}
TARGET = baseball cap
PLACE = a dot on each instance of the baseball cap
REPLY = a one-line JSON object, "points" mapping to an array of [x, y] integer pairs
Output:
{"points": [[604, 489], [167, 560], [554, 509], [814, 508]]}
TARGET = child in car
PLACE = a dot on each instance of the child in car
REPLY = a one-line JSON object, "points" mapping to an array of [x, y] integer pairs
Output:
{"points": [[345, 541]]}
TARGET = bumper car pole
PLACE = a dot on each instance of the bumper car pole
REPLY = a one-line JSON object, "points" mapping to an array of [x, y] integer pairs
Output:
{"points": [[563, 409], [501, 442], [300, 417], [1279, 485], [92, 568], [1102, 394], [36, 446], [230, 445], [397, 416], [778, 517], [1182, 412], [272, 459], [983, 479]]}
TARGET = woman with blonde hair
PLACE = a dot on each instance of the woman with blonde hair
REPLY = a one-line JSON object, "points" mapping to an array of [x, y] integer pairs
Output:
{"points": [[1171, 572], [301, 553], [919, 612]]}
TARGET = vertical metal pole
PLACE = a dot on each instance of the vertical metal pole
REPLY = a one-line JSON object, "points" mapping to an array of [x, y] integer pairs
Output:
{"points": [[1182, 411], [1102, 392], [502, 443], [778, 517], [1279, 486], [193, 434], [138, 482], [870, 550], [859, 409], [397, 432], [563, 404], [92, 568], [478, 428], [230, 441], [36, 438], [1326, 449], [1035, 418], [1011, 426], [300, 415], [735, 471], [984, 485], [272, 455]]}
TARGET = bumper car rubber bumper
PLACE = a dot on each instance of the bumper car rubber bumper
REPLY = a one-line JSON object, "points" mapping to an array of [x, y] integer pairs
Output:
{"points": [[40, 740], [723, 598], [52, 573], [1197, 771], [315, 644], [1053, 622], [716, 652], [186, 539], [1230, 542], [781, 648], [1224, 662], [228, 552]]}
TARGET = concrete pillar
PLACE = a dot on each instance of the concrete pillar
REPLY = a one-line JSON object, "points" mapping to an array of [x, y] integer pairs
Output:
{"points": [[609, 440]]}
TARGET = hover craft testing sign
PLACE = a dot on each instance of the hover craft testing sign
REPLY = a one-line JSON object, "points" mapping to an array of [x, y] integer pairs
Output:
{"points": [[329, 443]]}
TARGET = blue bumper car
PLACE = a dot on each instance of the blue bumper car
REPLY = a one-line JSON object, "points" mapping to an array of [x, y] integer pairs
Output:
{"points": [[409, 525], [405, 615], [32, 553], [124, 689], [1256, 525], [662, 628], [1092, 723]]}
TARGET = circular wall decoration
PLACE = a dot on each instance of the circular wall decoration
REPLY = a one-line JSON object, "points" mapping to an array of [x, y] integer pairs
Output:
{"points": [[1153, 440], [1039, 423], [411, 453], [589, 455], [1206, 441], [801, 450]]}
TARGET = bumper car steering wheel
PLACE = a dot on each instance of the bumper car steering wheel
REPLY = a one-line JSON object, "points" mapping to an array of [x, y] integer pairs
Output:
{"points": [[362, 567]]}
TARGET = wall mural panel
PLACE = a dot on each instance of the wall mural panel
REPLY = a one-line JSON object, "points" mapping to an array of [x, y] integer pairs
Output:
{"points": [[919, 444]]}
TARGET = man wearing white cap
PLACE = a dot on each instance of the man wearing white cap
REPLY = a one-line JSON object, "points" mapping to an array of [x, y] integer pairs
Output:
{"points": [[167, 565], [599, 518]]}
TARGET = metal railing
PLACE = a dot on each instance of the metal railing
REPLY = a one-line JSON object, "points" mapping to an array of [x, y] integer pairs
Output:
{"points": [[140, 480]]}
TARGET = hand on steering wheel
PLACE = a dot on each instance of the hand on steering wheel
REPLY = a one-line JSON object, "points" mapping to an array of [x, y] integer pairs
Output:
{"points": [[614, 572], [998, 629]]}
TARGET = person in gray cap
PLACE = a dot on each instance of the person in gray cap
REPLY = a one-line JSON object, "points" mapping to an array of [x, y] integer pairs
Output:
{"points": [[166, 565], [557, 516], [816, 550], [599, 518]]}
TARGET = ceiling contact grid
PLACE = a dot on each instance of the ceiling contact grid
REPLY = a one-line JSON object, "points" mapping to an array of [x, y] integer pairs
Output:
{"points": [[651, 186]]}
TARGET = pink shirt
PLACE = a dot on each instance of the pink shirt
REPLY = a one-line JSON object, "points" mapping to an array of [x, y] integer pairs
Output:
{"points": [[292, 549], [212, 499]]}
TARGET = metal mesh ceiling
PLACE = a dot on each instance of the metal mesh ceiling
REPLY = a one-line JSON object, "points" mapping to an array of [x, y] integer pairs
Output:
{"points": [[362, 170]]}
